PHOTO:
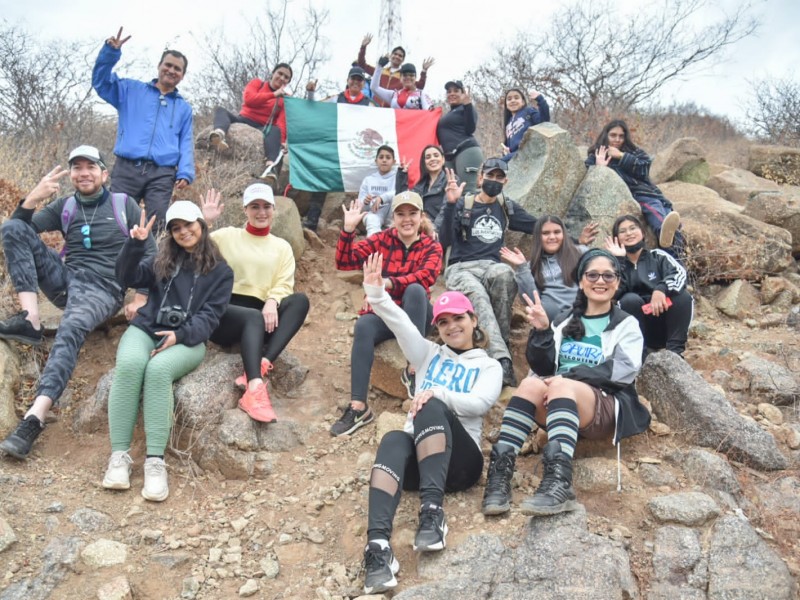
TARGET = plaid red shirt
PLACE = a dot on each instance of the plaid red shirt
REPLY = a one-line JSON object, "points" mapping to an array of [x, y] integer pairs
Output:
{"points": [[419, 263]]}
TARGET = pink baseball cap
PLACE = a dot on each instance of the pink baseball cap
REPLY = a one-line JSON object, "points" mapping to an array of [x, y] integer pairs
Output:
{"points": [[451, 303]]}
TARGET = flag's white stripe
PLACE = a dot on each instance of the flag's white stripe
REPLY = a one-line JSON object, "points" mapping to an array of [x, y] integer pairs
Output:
{"points": [[361, 130]]}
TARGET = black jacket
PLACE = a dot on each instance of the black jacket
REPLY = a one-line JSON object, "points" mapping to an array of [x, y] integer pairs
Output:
{"points": [[432, 197], [655, 270]]}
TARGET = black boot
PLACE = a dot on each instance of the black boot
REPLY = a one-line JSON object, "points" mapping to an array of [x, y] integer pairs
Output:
{"points": [[315, 205], [555, 494], [18, 443], [497, 495]]}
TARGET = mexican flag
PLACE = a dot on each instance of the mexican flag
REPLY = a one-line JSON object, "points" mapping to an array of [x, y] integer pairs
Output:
{"points": [[332, 146]]}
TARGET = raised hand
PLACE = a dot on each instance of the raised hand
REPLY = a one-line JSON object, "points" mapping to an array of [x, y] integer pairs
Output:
{"points": [[211, 206], [534, 95], [513, 257], [117, 41], [311, 86], [466, 97], [428, 63], [613, 246], [589, 233], [373, 268], [601, 157], [141, 231], [366, 40], [352, 216], [453, 190], [404, 164], [47, 186], [535, 313]]}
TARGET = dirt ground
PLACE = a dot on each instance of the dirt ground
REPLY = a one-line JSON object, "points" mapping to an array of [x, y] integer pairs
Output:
{"points": [[310, 514]]}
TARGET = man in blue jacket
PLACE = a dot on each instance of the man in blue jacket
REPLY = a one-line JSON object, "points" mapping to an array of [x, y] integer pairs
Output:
{"points": [[154, 147]]}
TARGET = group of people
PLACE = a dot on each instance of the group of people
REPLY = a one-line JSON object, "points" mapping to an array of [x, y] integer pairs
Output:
{"points": [[593, 313]]}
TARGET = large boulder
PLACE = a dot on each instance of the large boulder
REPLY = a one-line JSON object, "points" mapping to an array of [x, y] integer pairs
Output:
{"points": [[767, 380], [739, 186], [602, 196], [724, 244], [683, 160], [777, 208], [781, 164], [389, 362], [9, 369], [682, 399], [287, 225]]}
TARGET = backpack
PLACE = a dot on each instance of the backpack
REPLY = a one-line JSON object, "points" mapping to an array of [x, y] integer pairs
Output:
{"points": [[466, 214], [70, 207]]}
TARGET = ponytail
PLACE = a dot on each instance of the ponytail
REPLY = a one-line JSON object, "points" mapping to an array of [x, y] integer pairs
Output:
{"points": [[574, 328]]}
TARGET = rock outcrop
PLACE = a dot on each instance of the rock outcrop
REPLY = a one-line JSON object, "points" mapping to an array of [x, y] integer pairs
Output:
{"points": [[683, 160]]}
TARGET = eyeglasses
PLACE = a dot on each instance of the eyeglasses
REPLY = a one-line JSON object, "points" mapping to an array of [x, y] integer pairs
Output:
{"points": [[163, 100], [608, 276], [86, 230], [630, 229]]}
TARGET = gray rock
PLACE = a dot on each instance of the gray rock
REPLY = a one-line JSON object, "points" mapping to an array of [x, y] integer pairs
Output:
{"points": [[91, 415], [270, 566], [598, 474], [189, 588], [386, 368], [779, 504], [777, 208], [7, 536], [249, 588], [769, 381], [104, 553], [739, 300], [117, 589], [9, 382], [282, 436], [58, 559], [683, 160], [88, 520], [287, 225], [171, 560], [656, 476], [558, 558], [739, 186], [687, 508], [708, 470], [682, 399], [678, 559], [238, 430], [742, 566], [201, 396], [288, 374], [213, 455], [781, 164]]}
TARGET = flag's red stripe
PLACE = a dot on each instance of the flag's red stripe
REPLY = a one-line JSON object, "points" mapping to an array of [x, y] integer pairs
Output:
{"points": [[415, 130]]}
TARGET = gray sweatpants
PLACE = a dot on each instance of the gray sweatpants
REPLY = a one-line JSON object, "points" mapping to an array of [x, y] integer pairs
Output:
{"points": [[466, 165], [86, 298], [491, 288]]}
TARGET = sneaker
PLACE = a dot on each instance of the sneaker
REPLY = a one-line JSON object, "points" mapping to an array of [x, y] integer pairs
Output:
{"points": [[668, 228], [497, 494], [118, 473], [381, 567], [217, 139], [256, 403], [241, 381], [432, 529], [18, 443], [351, 420], [555, 493], [509, 379], [19, 329], [407, 379], [156, 488]]}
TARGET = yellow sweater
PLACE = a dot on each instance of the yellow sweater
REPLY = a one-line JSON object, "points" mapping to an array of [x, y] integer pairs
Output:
{"points": [[263, 266]]}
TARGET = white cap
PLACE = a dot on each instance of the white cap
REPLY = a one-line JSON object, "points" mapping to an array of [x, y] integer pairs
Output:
{"points": [[185, 211], [259, 191], [89, 153]]}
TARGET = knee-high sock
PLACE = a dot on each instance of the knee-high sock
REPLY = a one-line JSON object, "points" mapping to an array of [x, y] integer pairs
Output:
{"points": [[517, 424], [562, 423]]}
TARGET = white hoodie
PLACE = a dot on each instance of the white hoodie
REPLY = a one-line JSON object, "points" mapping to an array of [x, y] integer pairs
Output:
{"points": [[468, 383]]}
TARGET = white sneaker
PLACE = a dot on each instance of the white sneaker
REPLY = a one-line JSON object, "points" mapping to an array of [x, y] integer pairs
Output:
{"points": [[155, 487], [118, 473], [217, 139]]}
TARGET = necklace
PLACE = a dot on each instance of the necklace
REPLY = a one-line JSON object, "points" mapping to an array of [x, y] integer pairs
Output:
{"points": [[86, 228]]}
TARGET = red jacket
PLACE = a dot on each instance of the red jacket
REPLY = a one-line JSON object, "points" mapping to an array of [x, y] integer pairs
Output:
{"points": [[420, 263], [389, 80], [257, 104]]}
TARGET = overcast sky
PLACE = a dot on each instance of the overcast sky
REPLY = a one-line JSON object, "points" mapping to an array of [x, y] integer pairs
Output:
{"points": [[458, 34]]}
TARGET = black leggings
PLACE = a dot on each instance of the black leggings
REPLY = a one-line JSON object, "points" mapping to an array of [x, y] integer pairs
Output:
{"points": [[272, 140], [370, 330], [404, 463], [670, 329], [243, 323]]}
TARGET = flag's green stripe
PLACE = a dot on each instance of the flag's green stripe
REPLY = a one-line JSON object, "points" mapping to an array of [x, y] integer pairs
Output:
{"points": [[313, 150]]}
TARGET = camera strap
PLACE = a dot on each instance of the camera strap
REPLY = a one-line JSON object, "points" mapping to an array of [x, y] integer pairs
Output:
{"points": [[169, 285]]}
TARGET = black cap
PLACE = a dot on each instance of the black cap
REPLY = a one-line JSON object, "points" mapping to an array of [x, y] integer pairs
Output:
{"points": [[408, 68], [455, 83], [495, 163], [356, 72]]}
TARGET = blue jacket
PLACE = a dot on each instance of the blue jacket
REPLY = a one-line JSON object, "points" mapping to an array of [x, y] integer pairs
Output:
{"points": [[520, 122], [148, 129]]}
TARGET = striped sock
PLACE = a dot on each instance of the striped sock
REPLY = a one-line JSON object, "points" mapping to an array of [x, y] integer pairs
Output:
{"points": [[517, 423], [562, 423]]}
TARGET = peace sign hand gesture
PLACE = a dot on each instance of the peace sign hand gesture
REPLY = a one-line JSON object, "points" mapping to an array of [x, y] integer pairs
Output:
{"points": [[47, 186], [453, 190], [117, 41], [535, 313], [141, 231], [373, 267]]}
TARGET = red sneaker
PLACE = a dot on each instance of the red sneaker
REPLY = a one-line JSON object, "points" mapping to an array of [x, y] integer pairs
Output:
{"points": [[256, 403], [241, 381]]}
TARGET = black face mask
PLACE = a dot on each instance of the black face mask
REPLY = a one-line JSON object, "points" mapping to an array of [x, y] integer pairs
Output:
{"points": [[635, 247], [491, 188]]}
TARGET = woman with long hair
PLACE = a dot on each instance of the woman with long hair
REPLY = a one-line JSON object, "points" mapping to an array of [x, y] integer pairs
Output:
{"points": [[518, 117], [432, 181], [456, 133], [584, 365], [189, 286], [615, 149], [439, 449], [653, 287]]}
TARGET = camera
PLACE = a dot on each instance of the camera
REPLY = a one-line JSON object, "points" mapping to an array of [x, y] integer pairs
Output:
{"points": [[171, 316]]}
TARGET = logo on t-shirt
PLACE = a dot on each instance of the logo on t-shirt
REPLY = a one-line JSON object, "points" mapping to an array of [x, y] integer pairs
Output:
{"points": [[487, 229], [587, 351]]}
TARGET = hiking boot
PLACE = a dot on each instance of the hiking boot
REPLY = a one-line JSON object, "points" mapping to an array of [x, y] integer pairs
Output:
{"points": [[555, 493], [256, 403], [509, 379], [381, 567], [497, 494], [351, 420], [118, 473], [18, 443], [217, 139], [407, 379], [156, 488], [432, 529], [241, 381], [19, 329], [668, 228]]}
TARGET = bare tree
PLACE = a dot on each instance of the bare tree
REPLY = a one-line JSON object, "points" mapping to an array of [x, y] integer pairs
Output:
{"points": [[592, 58], [774, 110], [274, 37]]}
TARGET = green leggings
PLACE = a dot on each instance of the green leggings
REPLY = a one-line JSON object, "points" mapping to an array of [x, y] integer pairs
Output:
{"points": [[135, 371]]}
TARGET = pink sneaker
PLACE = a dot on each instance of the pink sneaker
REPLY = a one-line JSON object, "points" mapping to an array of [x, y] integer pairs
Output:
{"points": [[241, 381], [256, 403]]}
